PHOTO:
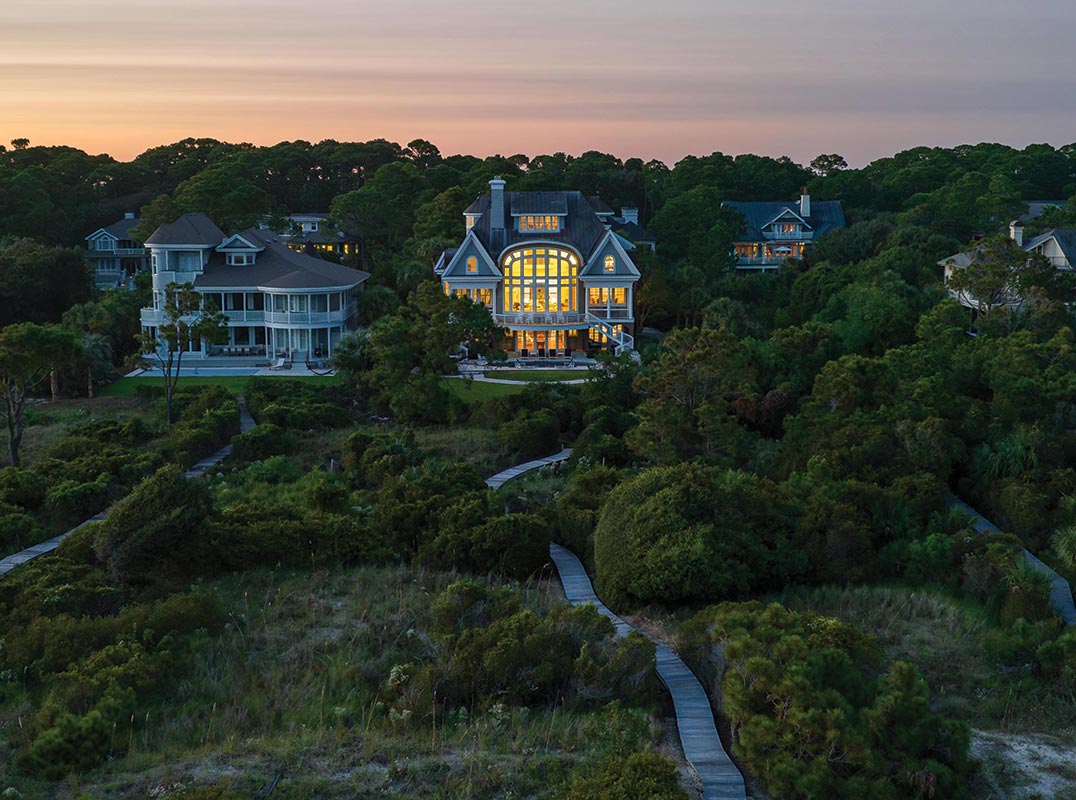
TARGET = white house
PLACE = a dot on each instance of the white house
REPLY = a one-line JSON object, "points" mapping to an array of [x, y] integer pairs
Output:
{"points": [[114, 256], [1057, 246], [549, 268], [279, 303]]}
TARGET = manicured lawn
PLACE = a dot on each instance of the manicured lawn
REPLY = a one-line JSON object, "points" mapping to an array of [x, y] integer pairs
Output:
{"points": [[473, 391], [526, 375], [126, 387]]}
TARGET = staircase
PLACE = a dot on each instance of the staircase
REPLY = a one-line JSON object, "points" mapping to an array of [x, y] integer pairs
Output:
{"points": [[624, 342]]}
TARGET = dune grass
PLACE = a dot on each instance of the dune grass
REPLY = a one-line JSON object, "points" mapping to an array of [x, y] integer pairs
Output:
{"points": [[286, 690], [948, 641]]}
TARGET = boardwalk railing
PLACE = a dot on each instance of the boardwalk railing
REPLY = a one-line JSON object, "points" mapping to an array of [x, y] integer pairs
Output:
{"points": [[720, 778]]}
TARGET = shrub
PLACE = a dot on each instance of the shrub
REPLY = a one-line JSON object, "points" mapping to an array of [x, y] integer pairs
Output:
{"points": [[158, 531], [639, 776], [515, 545], [261, 442], [531, 435], [688, 533]]}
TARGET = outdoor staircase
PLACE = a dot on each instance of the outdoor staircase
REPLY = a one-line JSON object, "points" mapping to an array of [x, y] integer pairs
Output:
{"points": [[624, 342]]}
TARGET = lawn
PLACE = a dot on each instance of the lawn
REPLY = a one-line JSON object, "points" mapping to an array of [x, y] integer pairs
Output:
{"points": [[474, 391], [127, 387], [527, 375]]}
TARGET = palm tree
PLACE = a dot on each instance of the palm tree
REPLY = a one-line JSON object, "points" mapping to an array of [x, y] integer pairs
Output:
{"points": [[97, 358], [1064, 544]]}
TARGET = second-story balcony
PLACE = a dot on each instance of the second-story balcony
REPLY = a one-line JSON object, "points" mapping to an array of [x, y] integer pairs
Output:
{"points": [[310, 317], [788, 236]]}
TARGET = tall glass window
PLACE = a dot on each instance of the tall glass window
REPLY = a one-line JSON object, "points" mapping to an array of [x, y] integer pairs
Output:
{"points": [[541, 280]]}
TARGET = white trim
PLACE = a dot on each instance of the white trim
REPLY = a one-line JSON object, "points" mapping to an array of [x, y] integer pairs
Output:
{"points": [[459, 255], [595, 257], [227, 244]]}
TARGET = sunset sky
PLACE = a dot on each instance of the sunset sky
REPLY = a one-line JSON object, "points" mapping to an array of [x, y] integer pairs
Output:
{"points": [[660, 79]]}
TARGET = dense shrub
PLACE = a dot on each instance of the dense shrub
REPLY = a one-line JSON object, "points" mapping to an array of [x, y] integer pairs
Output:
{"points": [[853, 734], [516, 546], [262, 441], [685, 533], [639, 776], [158, 531]]}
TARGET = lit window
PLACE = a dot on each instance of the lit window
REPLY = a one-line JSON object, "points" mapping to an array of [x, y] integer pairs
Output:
{"points": [[472, 264], [610, 264], [543, 222]]}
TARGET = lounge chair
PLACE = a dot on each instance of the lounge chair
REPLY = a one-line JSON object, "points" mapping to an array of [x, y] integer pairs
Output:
{"points": [[281, 363]]}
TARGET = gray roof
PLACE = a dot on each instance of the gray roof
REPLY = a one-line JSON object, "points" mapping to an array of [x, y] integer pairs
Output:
{"points": [[277, 266], [599, 205], [580, 228], [122, 228], [1066, 240], [192, 229], [825, 216], [323, 238], [632, 231], [1036, 208]]}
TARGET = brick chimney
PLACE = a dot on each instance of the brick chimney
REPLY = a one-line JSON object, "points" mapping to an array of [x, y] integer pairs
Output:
{"points": [[1016, 232], [805, 204]]}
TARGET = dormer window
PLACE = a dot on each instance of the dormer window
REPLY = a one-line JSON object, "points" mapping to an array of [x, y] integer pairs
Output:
{"points": [[312, 227], [239, 259], [472, 264], [546, 222], [471, 220], [610, 264]]}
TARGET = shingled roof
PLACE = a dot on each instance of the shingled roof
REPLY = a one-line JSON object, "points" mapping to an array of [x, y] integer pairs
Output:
{"points": [[277, 266], [193, 229], [825, 216]]}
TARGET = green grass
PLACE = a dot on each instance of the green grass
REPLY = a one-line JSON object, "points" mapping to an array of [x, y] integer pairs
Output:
{"points": [[48, 423], [527, 375], [127, 387], [479, 447], [474, 391]]}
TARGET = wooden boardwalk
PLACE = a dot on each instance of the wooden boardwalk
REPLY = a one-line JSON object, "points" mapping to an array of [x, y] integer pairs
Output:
{"points": [[721, 780], [1060, 591], [501, 478], [246, 422]]}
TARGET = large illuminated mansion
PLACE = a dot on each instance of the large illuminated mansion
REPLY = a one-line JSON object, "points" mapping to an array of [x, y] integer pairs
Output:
{"points": [[550, 268]]}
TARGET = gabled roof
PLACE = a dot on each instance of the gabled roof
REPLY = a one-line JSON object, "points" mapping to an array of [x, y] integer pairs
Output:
{"points": [[1065, 238], [120, 229], [785, 213], [609, 246], [277, 266], [825, 216], [580, 227], [456, 267], [193, 229], [238, 242]]}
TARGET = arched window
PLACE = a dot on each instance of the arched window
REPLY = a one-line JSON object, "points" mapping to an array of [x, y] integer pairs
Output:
{"points": [[472, 264], [610, 264], [541, 280]]}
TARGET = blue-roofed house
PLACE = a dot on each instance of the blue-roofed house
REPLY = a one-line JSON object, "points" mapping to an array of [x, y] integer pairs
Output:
{"points": [[777, 231], [114, 256]]}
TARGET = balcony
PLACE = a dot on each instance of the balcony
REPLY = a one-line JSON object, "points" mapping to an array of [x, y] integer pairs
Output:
{"points": [[244, 316], [150, 317], [794, 236], [309, 317], [540, 318], [141, 252]]}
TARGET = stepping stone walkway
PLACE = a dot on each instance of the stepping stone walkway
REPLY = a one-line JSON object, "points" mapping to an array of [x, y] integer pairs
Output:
{"points": [[1060, 591], [246, 422], [721, 780], [501, 478]]}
